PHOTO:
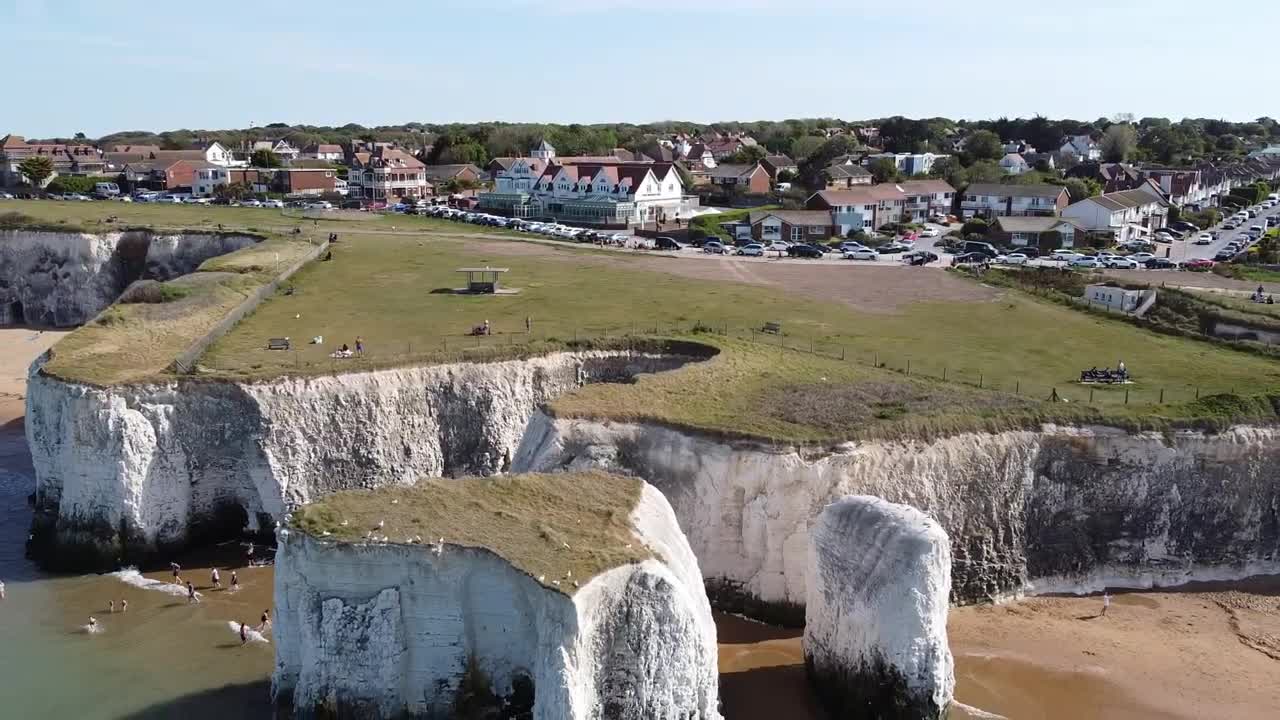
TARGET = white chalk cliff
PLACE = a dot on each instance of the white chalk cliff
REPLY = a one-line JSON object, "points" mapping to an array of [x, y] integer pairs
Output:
{"points": [[128, 469], [875, 633], [386, 630], [1060, 509], [65, 278]]}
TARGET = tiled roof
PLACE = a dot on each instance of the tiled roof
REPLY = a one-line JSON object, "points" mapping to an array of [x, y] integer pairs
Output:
{"points": [[1125, 199], [1036, 224], [861, 195], [1015, 190], [793, 217], [925, 187]]}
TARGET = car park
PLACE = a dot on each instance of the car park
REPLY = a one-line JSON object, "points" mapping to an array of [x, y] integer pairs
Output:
{"points": [[752, 250], [1204, 239], [863, 254], [1160, 263]]}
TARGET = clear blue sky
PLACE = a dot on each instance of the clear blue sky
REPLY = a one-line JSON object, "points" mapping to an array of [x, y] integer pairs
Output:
{"points": [[99, 66]]}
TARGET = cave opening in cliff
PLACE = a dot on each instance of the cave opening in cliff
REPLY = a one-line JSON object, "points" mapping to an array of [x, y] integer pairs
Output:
{"points": [[14, 315]]}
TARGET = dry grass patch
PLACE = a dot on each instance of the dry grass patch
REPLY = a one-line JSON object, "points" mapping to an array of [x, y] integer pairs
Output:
{"points": [[560, 529]]}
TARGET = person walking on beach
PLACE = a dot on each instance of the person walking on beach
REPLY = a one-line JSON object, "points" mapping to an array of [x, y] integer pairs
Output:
{"points": [[111, 606], [177, 569], [359, 345], [235, 581], [124, 605], [217, 581], [266, 621], [1106, 603]]}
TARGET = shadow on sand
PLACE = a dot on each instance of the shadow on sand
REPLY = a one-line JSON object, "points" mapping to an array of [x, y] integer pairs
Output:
{"points": [[251, 701]]}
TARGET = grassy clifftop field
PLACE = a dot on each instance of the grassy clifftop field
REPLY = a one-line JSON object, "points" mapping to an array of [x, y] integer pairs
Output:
{"points": [[863, 350]]}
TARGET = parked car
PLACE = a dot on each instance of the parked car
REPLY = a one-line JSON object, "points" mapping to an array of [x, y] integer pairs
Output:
{"points": [[863, 254], [251, 203], [1086, 262], [930, 232], [971, 258], [1185, 226], [1141, 257], [1204, 239], [752, 250], [273, 204], [663, 242], [805, 251], [851, 245], [1013, 259], [919, 257], [1121, 263], [1065, 255], [1160, 263], [1198, 265], [892, 248], [777, 246], [714, 247], [1225, 254]]}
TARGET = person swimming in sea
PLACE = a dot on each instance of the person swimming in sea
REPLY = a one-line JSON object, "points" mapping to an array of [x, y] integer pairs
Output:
{"points": [[244, 633], [93, 624], [217, 581], [235, 581]]}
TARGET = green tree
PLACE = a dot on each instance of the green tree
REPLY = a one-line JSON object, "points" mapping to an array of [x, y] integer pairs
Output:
{"points": [[883, 170], [748, 155], [985, 171], [231, 191], [264, 159], [1119, 142], [36, 169], [984, 145], [802, 148], [1081, 188]]}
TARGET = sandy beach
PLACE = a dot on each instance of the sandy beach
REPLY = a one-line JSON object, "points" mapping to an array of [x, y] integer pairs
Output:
{"points": [[18, 347]]}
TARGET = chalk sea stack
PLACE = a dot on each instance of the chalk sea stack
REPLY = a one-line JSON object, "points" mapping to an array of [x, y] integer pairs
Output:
{"points": [[560, 596], [875, 637]]}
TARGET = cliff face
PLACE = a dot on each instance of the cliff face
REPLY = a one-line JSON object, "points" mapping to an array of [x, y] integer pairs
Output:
{"points": [[64, 279], [386, 630], [1056, 510], [875, 632], [122, 470]]}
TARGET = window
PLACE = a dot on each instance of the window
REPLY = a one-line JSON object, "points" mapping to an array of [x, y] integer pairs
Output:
{"points": [[816, 229], [869, 208], [797, 234]]}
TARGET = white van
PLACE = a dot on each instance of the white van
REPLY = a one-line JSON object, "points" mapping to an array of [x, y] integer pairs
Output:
{"points": [[106, 189], [1274, 197]]}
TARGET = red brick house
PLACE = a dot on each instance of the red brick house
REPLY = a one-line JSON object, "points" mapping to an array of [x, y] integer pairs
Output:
{"points": [[792, 226], [306, 181], [746, 178], [466, 172]]}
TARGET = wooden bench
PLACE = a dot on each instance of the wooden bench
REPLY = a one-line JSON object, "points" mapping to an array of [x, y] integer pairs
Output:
{"points": [[772, 328], [278, 343]]}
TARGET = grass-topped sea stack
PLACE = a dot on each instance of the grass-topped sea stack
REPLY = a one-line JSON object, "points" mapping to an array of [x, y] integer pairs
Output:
{"points": [[543, 596]]}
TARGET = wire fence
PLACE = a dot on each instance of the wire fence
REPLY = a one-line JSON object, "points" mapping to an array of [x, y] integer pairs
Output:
{"points": [[540, 338]]}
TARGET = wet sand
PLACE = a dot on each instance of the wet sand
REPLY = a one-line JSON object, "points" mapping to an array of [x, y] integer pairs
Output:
{"points": [[1204, 653], [18, 347]]}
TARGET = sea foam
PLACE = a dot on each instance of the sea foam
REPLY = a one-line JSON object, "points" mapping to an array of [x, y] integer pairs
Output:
{"points": [[131, 576]]}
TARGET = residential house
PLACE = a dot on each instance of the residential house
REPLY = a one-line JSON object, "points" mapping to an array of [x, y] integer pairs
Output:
{"points": [[723, 147], [1027, 230], [281, 148], [545, 151], [1181, 186], [503, 166], [143, 150], [791, 226], [774, 164], [1270, 151], [173, 175], [742, 178], [609, 194], [926, 198], [1119, 216], [323, 151], [216, 154], [846, 176], [208, 177], [461, 172], [1082, 147], [258, 180], [990, 200], [195, 156], [306, 181], [863, 208], [698, 158], [67, 159], [1014, 164], [1113, 177], [908, 163], [387, 174]]}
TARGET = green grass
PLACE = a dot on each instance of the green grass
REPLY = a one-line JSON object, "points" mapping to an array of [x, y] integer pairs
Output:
{"points": [[561, 529]]}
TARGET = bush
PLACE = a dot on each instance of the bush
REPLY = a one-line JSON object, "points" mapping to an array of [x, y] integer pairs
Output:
{"points": [[153, 292], [72, 184], [976, 226]]}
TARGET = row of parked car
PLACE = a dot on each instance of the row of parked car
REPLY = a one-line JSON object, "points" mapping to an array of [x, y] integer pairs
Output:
{"points": [[549, 229], [849, 250]]}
